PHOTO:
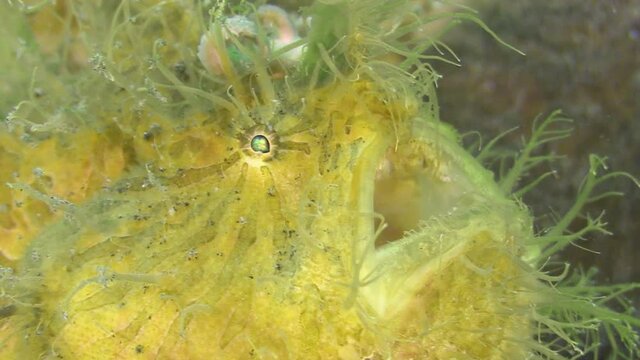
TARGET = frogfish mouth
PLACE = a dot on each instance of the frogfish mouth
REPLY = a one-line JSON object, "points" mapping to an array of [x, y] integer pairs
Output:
{"points": [[287, 192]]}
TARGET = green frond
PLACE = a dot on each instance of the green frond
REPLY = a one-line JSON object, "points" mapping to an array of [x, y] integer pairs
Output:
{"points": [[578, 312], [489, 152], [557, 236], [330, 26], [552, 128]]}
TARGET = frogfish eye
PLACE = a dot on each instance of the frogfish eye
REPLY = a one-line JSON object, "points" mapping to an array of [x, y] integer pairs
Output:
{"points": [[260, 144]]}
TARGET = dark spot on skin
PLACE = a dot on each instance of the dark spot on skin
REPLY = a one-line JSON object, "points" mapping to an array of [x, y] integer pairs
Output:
{"points": [[289, 233], [180, 69], [7, 311], [151, 133], [139, 349]]}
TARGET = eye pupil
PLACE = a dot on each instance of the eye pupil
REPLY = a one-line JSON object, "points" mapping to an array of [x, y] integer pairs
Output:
{"points": [[260, 144]]}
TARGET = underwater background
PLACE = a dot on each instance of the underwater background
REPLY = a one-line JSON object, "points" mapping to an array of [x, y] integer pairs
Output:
{"points": [[583, 57]]}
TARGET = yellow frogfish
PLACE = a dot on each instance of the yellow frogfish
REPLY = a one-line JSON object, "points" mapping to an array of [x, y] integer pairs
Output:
{"points": [[189, 179]]}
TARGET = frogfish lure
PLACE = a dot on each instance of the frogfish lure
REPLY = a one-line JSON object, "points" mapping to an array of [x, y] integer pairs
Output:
{"points": [[190, 179]]}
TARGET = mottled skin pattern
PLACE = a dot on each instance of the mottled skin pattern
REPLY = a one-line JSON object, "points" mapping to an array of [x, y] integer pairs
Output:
{"points": [[244, 255], [365, 232]]}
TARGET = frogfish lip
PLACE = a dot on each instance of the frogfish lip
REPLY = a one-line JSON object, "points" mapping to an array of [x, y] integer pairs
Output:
{"points": [[407, 187]]}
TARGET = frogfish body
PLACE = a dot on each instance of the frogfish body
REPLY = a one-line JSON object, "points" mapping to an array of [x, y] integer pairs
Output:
{"points": [[249, 182]]}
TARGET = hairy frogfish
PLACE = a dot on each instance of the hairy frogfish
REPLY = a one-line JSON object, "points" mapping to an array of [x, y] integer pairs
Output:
{"points": [[194, 179]]}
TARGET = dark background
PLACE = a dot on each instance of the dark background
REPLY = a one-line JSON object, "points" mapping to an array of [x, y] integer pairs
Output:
{"points": [[582, 56]]}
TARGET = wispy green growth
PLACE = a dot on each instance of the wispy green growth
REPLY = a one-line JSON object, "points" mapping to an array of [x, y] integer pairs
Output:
{"points": [[586, 194], [322, 40], [579, 316], [575, 316], [145, 57], [544, 131]]}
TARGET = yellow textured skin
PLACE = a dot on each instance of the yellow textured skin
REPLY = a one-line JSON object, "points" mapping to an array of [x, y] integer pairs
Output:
{"points": [[239, 256], [151, 229], [84, 163]]}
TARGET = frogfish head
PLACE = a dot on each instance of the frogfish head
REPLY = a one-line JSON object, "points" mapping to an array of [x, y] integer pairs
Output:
{"points": [[287, 192]]}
